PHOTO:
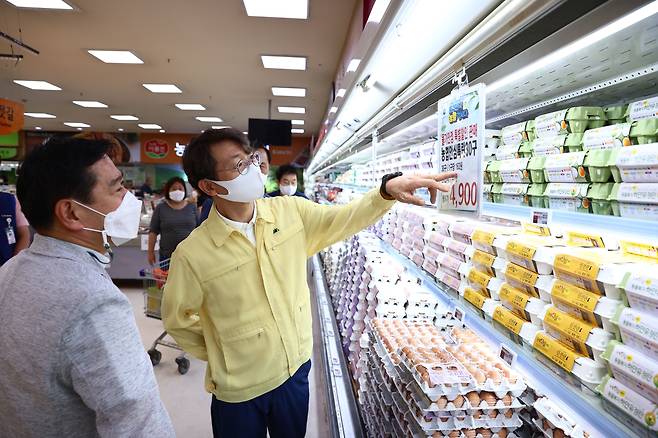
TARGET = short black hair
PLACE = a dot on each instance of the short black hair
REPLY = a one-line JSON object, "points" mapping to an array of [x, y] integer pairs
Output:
{"points": [[267, 152], [284, 170], [171, 182], [198, 162], [59, 169]]}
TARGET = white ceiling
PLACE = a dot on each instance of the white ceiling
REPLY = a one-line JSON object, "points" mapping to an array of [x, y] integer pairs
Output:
{"points": [[209, 48]]}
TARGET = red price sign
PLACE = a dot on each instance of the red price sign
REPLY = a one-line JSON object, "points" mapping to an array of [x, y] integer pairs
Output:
{"points": [[464, 194]]}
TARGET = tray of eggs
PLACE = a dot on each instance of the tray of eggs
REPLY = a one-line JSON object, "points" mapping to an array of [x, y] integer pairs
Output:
{"points": [[471, 433], [554, 423]]}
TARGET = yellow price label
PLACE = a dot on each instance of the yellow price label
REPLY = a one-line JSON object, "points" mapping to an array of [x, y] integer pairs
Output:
{"points": [[556, 352], [577, 266], [520, 250], [483, 237], [508, 319], [568, 325], [575, 296], [483, 258], [479, 278], [513, 296], [584, 240], [474, 297], [520, 274], [539, 230], [641, 249]]}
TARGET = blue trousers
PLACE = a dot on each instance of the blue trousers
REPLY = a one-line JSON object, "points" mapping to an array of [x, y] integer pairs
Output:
{"points": [[283, 411]]}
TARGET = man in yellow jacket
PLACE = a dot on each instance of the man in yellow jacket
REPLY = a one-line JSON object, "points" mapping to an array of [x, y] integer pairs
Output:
{"points": [[237, 295]]}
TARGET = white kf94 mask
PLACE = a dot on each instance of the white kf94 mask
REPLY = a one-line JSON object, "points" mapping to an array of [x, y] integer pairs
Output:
{"points": [[244, 188], [121, 224]]}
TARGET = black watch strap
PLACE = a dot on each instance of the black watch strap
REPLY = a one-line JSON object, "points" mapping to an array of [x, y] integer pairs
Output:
{"points": [[382, 189]]}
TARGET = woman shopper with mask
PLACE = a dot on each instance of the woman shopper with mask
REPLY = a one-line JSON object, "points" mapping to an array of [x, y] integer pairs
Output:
{"points": [[173, 219], [237, 294], [73, 361]]}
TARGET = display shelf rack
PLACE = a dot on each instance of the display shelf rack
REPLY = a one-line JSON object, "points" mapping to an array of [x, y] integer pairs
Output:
{"points": [[344, 412]]}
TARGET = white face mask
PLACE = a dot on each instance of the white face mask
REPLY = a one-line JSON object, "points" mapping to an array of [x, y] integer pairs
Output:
{"points": [[244, 188], [177, 195], [288, 190], [121, 224]]}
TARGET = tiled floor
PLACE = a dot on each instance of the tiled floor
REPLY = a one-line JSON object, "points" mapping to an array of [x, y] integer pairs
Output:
{"points": [[187, 401]]}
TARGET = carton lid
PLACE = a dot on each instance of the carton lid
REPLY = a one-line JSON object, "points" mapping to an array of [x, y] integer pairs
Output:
{"points": [[537, 189], [600, 191], [536, 163], [645, 127], [599, 157]]}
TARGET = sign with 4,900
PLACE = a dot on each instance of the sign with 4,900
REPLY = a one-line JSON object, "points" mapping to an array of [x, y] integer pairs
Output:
{"points": [[461, 139]]}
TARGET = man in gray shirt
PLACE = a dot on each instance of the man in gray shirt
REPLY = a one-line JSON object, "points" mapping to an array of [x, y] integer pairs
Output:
{"points": [[73, 364]]}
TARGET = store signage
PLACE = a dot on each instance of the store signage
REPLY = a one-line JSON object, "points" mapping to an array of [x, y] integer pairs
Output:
{"points": [[460, 145], [11, 116], [163, 148]]}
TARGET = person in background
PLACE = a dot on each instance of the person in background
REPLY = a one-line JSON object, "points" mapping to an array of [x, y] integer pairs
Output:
{"points": [[14, 228], [286, 177], [173, 219], [237, 293], [73, 362], [265, 159], [146, 187]]}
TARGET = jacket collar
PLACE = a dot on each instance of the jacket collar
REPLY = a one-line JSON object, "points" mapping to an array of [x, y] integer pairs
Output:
{"points": [[52, 247], [220, 231]]}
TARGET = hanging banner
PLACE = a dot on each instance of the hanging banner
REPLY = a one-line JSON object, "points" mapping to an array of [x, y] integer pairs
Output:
{"points": [[11, 116], [460, 145]]}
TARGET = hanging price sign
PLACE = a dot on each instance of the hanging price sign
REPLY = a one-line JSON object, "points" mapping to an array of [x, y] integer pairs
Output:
{"points": [[460, 145]]}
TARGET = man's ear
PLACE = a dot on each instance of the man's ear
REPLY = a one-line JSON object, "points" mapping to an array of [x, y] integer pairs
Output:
{"points": [[66, 212], [211, 189]]}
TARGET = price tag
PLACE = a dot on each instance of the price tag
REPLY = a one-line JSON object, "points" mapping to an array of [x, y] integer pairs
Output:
{"points": [[508, 319], [459, 314], [483, 258], [641, 249], [474, 297], [521, 275], [576, 270], [575, 296], [514, 297], [479, 278], [507, 355], [555, 351], [460, 145], [570, 331], [521, 254], [584, 240]]}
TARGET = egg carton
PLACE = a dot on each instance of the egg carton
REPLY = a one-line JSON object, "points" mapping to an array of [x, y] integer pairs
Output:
{"points": [[556, 418], [448, 380]]}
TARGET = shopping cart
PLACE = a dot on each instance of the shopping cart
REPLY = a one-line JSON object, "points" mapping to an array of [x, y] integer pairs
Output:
{"points": [[154, 281]]}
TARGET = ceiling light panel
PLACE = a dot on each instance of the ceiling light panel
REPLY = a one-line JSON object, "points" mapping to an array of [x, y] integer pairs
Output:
{"points": [[41, 4], [289, 91], [297, 131], [116, 56], [292, 109], [284, 62], [90, 103], [353, 65], [40, 115], [124, 117], [149, 126], [37, 85], [297, 122], [76, 124], [209, 119], [341, 92], [162, 88], [190, 107], [297, 9]]}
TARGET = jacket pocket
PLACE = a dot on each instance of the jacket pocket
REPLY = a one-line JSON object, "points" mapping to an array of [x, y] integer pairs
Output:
{"points": [[244, 351]]}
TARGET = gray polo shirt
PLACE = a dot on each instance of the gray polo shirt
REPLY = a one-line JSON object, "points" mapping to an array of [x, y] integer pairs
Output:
{"points": [[73, 364]]}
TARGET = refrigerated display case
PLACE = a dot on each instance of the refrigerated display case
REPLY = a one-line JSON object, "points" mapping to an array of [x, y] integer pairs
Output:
{"points": [[572, 298]]}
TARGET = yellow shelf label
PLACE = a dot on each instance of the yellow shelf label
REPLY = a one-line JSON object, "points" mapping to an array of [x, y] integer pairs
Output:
{"points": [[584, 240], [577, 297], [479, 278], [484, 259], [520, 274], [483, 237], [474, 297], [539, 230], [520, 250], [513, 296], [577, 266], [555, 351], [641, 249], [508, 319], [569, 330]]}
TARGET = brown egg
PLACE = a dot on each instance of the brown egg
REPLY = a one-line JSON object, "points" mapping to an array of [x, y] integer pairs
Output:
{"points": [[442, 402], [455, 434], [486, 433], [507, 400], [558, 433], [473, 398], [502, 433], [493, 413], [479, 377], [488, 397], [470, 433], [494, 376], [444, 419], [458, 401], [509, 413], [477, 414], [546, 425], [437, 434]]}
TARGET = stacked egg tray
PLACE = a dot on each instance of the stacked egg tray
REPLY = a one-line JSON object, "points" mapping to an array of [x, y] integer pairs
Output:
{"points": [[570, 160], [450, 401]]}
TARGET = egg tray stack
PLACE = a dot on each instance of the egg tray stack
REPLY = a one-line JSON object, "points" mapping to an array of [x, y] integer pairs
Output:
{"points": [[630, 392], [554, 422], [444, 255], [445, 404]]}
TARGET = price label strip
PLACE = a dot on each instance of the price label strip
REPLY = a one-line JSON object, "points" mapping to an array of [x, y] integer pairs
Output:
{"points": [[555, 351], [461, 141], [578, 271]]}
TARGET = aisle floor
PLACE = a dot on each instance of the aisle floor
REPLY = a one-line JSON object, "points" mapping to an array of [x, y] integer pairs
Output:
{"points": [[187, 401]]}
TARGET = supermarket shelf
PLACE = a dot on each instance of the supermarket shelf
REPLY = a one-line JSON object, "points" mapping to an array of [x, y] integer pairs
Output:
{"points": [[622, 228], [344, 411], [587, 411]]}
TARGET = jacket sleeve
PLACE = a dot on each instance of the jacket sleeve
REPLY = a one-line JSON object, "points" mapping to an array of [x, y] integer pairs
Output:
{"points": [[325, 225], [104, 358], [181, 302]]}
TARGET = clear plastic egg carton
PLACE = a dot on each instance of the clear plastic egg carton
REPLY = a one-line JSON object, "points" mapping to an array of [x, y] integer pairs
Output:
{"points": [[449, 380], [462, 231], [551, 418]]}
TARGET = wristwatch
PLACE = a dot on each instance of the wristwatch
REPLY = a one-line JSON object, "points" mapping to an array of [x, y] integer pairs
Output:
{"points": [[382, 188]]}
